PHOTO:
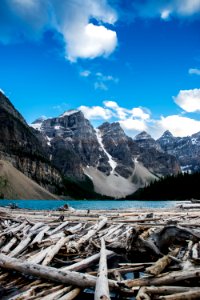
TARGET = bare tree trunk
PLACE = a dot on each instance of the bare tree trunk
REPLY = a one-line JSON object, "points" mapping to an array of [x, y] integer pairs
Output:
{"points": [[102, 288]]}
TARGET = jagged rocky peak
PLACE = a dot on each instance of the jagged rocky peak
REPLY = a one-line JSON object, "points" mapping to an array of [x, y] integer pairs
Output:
{"points": [[39, 120], [71, 123], [69, 112], [167, 134], [74, 144], [167, 137], [116, 144], [7, 106], [144, 140], [37, 124], [113, 129], [143, 136]]}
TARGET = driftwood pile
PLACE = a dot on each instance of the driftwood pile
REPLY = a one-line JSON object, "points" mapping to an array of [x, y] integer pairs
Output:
{"points": [[103, 255]]}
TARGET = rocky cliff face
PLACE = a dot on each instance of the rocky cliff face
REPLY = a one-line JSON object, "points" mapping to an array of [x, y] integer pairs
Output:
{"points": [[186, 150], [24, 147], [69, 146], [154, 158], [73, 144]]}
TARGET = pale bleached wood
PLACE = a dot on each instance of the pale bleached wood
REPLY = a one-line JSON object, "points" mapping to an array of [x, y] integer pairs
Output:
{"points": [[117, 275], [87, 262], [167, 278], [51, 289], [98, 226], [40, 235], [22, 245], [61, 226], [102, 287], [38, 258], [55, 249], [190, 295], [166, 290], [142, 295], [36, 226], [162, 263], [50, 273], [57, 294], [9, 245], [71, 295], [13, 230]]}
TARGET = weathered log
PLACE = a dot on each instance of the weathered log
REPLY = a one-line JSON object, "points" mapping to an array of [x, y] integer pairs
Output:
{"points": [[173, 234], [40, 235], [36, 226], [190, 295], [166, 290], [162, 263], [117, 275], [62, 225], [50, 273], [38, 258], [57, 294], [142, 295], [9, 245], [50, 290], [22, 245], [85, 263], [71, 295], [55, 249], [164, 279], [92, 232], [195, 253], [102, 288]]}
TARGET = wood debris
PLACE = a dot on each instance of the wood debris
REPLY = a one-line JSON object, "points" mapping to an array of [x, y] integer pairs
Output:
{"points": [[129, 254]]}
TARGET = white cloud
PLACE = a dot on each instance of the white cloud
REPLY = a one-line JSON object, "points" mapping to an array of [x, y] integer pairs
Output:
{"points": [[96, 112], [139, 112], [188, 100], [89, 42], [165, 14], [105, 78], [85, 73], [98, 85], [124, 113], [178, 125], [72, 19], [165, 9], [139, 119], [133, 125], [132, 120], [194, 71]]}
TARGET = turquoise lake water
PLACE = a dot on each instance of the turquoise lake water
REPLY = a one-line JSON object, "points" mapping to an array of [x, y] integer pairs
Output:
{"points": [[92, 204]]}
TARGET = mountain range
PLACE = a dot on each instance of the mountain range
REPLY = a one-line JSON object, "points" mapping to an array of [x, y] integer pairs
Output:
{"points": [[68, 148]]}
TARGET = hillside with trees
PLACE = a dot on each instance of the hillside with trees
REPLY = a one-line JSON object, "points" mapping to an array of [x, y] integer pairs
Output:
{"points": [[174, 187]]}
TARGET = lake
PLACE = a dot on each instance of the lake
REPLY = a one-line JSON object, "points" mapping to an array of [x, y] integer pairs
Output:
{"points": [[92, 204]]}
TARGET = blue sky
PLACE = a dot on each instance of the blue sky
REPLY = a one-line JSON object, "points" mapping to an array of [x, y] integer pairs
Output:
{"points": [[136, 62]]}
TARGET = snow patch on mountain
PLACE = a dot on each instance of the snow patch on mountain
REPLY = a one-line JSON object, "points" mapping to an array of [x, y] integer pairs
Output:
{"points": [[111, 161], [69, 113]]}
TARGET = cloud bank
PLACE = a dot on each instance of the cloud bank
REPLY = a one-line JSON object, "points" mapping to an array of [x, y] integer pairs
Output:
{"points": [[138, 119], [85, 26], [188, 100], [71, 18], [166, 8]]}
